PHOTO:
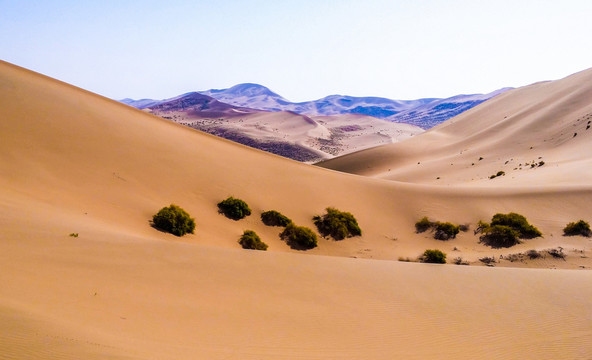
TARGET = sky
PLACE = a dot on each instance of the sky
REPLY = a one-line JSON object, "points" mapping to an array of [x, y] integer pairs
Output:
{"points": [[302, 50]]}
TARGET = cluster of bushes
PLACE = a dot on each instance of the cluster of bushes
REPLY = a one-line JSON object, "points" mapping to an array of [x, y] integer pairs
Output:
{"points": [[442, 230], [577, 228], [337, 224], [506, 230], [234, 209], [174, 220]]}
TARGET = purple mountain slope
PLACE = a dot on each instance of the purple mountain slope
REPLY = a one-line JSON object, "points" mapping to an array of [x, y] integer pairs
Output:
{"points": [[424, 113]]}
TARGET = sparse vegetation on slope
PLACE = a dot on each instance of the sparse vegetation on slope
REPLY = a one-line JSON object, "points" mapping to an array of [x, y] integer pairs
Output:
{"points": [[274, 218], [250, 240], [234, 209], [337, 224], [174, 220], [299, 237], [577, 228]]}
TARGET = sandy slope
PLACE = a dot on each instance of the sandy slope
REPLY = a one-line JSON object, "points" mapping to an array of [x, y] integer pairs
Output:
{"points": [[547, 121], [71, 161]]}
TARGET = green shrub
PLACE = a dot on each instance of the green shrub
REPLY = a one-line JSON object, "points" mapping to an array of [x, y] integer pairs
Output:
{"points": [[500, 236], [424, 224], [577, 228], [434, 256], [73, 234], [337, 224], [299, 237], [234, 209], [174, 220], [250, 240], [518, 223], [274, 218], [446, 230]]}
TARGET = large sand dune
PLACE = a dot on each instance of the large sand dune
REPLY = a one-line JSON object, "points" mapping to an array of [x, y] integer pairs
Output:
{"points": [[74, 162], [547, 121]]}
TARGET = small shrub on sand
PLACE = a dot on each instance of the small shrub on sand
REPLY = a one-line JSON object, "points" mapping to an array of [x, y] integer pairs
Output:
{"points": [[274, 218], [337, 224], [250, 240], [234, 209], [533, 254], [433, 256], [518, 223], [500, 236], [423, 225], [577, 228], [488, 260], [446, 231], [174, 220], [73, 235], [299, 237], [460, 261], [557, 253]]}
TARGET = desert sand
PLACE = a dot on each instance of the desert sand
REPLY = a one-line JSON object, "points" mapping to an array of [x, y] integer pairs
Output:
{"points": [[74, 162]]}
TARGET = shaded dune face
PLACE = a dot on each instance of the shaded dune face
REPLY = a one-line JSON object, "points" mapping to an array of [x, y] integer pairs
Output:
{"points": [[74, 162]]}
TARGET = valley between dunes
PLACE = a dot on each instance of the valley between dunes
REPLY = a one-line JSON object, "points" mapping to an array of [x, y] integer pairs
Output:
{"points": [[74, 162]]}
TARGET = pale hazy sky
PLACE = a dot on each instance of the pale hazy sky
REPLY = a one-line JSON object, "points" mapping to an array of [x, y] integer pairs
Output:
{"points": [[302, 50]]}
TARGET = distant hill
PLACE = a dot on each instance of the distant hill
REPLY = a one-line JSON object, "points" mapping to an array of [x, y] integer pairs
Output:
{"points": [[285, 133], [436, 112], [424, 113]]}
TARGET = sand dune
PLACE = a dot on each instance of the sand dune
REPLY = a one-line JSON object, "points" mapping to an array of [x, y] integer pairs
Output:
{"points": [[547, 121], [74, 162]]}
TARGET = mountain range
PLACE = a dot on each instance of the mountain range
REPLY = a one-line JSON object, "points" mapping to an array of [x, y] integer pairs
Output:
{"points": [[425, 113], [301, 137]]}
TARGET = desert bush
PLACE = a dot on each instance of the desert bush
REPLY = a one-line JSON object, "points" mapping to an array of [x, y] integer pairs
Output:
{"points": [[577, 228], [533, 254], [500, 236], [460, 261], [73, 235], [337, 224], [274, 218], [518, 223], [487, 260], [434, 256], [174, 220], [299, 237], [250, 240], [234, 209], [424, 224], [446, 231], [556, 253]]}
